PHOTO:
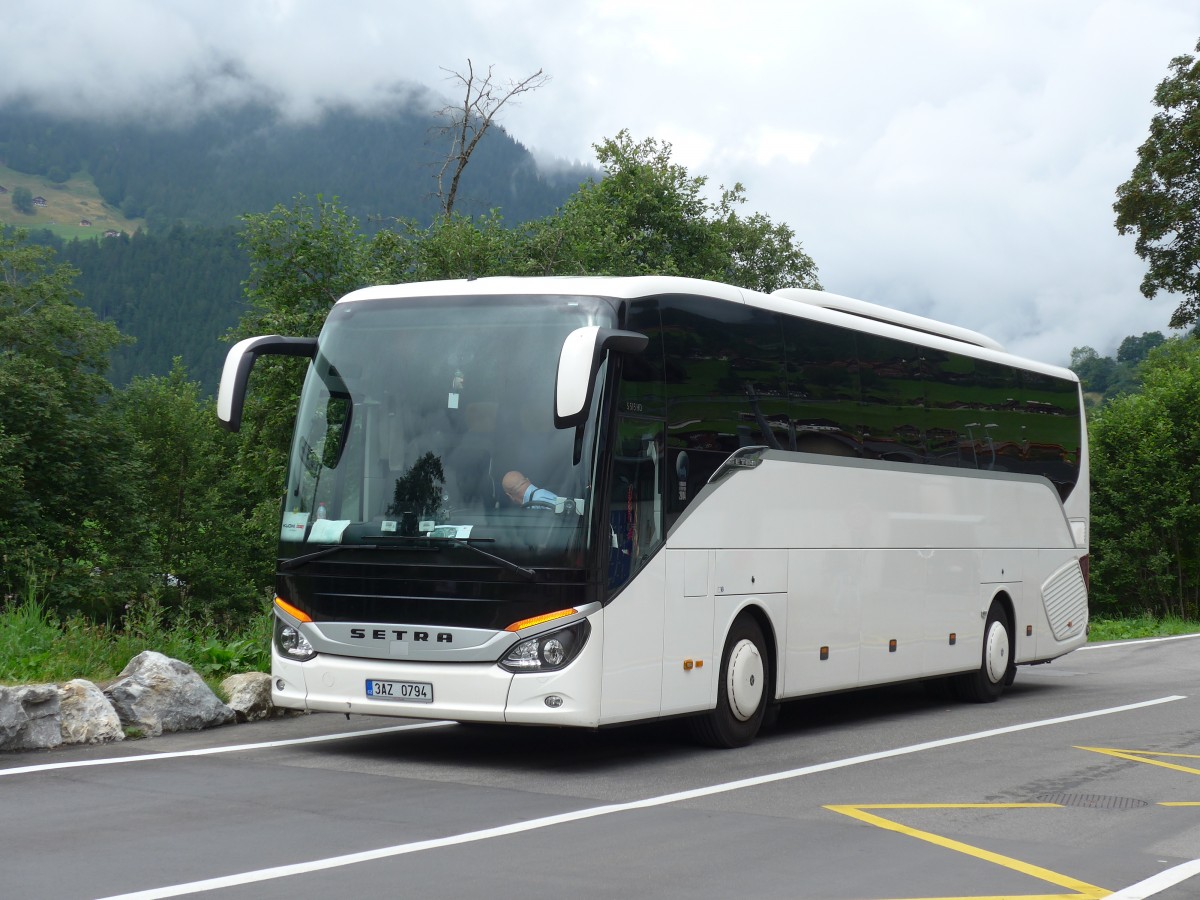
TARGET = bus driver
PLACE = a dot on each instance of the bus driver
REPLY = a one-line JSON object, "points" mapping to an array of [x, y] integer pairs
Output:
{"points": [[521, 491]]}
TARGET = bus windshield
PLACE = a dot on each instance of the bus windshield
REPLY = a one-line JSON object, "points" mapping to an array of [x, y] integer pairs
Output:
{"points": [[429, 423]]}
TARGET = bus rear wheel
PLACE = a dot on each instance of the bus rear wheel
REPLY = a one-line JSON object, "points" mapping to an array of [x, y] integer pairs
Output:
{"points": [[996, 667], [743, 689]]}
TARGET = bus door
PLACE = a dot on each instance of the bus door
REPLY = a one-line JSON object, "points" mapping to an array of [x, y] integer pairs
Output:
{"points": [[633, 620]]}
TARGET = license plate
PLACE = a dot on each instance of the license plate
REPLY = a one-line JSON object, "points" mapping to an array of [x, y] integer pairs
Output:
{"points": [[408, 691]]}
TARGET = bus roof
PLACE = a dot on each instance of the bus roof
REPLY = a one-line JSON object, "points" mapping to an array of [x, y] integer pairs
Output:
{"points": [[821, 306]]}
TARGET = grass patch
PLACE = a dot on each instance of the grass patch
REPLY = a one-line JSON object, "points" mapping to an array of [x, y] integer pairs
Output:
{"points": [[67, 204], [36, 647], [1143, 626]]}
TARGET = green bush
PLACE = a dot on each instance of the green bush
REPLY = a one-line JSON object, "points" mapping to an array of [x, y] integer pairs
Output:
{"points": [[36, 646]]}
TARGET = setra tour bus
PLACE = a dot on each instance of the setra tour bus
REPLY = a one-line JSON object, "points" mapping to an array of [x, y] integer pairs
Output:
{"points": [[590, 501]]}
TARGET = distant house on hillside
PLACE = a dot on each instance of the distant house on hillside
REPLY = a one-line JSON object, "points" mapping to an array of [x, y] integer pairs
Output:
{"points": [[39, 201], [85, 223], [111, 233]]}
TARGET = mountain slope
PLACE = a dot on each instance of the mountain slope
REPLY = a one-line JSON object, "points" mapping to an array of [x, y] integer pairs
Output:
{"points": [[173, 279], [219, 166]]}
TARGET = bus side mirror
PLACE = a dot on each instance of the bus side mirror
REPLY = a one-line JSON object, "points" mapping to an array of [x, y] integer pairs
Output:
{"points": [[578, 363], [231, 396]]}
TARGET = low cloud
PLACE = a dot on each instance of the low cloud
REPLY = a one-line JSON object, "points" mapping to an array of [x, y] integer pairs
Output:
{"points": [[954, 160]]}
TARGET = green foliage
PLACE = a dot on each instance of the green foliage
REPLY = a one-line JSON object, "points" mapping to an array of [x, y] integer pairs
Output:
{"points": [[1110, 377], [196, 528], [22, 200], [176, 293], [38, 646], [1145, 450], [1159, 201], [1134, 350], [1142, 626], [71, 494], [111, 498], [218, 658], [650, 216]]}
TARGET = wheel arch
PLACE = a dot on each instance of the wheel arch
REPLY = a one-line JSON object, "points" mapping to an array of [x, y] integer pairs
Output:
{"points": [[762, 617], [1005, 600]]}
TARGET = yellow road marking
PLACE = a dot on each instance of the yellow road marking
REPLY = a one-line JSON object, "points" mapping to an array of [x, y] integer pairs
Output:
{"points": [[1082, 890], [1142, 756], [1180, 803]]}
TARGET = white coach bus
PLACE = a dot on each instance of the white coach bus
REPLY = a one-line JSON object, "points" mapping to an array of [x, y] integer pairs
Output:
{"points": [[590, 501]]}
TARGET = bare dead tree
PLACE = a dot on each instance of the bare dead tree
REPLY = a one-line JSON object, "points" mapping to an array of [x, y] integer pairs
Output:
{"points": [[466, 124]]}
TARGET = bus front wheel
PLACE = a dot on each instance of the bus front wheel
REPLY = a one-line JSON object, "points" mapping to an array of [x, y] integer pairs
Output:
{"points": [[743, 689], [996, 667]]}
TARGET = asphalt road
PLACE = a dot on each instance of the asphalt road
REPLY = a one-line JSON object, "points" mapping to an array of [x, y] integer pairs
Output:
{"points": [[1082, 781]]}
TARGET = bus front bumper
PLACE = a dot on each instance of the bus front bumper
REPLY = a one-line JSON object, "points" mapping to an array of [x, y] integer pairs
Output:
{"points": [[464, 692]]}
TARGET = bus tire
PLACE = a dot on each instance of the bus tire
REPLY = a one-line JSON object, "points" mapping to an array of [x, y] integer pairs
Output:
{"points": [[986, 683], [743, 693]]}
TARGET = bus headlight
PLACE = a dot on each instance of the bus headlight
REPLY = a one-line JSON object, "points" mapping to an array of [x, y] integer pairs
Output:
{"points": [[291, 643], [547, 652]]}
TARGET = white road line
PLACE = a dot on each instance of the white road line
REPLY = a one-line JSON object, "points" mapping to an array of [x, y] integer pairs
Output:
{"points": [[1156, 884], [592, 812], [1157, 640], [146, 757], [211, 751]]}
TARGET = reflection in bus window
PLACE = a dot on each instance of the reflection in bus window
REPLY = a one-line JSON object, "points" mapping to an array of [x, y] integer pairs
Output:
{"points": [[636, 499]]}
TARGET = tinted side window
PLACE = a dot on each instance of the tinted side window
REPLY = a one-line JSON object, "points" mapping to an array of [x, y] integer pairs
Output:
{"points": [[971, 412], [822, 388], [893, 399], [1050, 408], [725, 385], [642, 373], [952, 417], [994, 394]]}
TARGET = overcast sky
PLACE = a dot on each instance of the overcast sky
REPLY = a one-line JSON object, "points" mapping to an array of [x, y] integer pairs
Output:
{"points": [[952, 158]]}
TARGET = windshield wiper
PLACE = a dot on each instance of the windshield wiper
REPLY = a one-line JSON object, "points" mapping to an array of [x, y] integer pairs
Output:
{"points": [[507, 563], [300, 560]]}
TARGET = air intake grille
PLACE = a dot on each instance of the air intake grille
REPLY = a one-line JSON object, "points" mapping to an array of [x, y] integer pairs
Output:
{"points": [[1065, 597]]}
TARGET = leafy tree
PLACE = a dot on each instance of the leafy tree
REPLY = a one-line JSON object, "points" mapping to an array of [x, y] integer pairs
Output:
{"points": [[1160, 202], [1135, 349], [22, 200], [648, 215], [72, 507], [1111, 377], [459, 247], [1145, 450], [197, 529], [1094, 371]]}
